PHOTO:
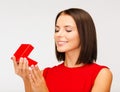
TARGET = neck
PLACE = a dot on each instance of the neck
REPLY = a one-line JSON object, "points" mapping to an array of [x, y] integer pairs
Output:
{"points": [[71, 58]]}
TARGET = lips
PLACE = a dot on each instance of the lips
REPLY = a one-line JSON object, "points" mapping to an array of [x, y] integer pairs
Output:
{"points": [[61, 43]]}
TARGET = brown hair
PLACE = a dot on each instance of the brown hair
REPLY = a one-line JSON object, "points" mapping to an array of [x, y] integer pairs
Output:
{"points": [[87, 34]]}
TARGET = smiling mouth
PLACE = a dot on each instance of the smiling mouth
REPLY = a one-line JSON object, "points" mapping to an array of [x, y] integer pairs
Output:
{"points": [[61, 43]]}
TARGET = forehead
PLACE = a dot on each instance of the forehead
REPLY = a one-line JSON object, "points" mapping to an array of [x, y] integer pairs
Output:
{"points": [[65, 19]]}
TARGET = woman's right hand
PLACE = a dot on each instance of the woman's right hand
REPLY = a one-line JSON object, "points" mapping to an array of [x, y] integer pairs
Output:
{"points": [[21, 69]]}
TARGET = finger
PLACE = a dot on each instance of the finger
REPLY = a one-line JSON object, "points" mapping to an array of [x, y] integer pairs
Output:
{"points": [[37, 74], [14, 61], [32, 82], [25, 65], [21, 62], [31, 79], [38, 71], [31, 76], [13, 58]]}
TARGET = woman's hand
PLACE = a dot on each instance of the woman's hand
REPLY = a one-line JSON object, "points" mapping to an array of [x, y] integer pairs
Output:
{"points": [[37, 81], [21, 69]]}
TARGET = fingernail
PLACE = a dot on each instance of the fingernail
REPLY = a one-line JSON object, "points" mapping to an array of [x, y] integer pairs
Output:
{"points": [[36, 65], [32, 66]]}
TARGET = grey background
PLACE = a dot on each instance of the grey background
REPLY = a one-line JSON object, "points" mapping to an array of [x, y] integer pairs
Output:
{"points": [[32, 21]]}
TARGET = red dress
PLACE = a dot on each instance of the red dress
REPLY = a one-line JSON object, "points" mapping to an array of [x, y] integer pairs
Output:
{"points": [[63, 79]]}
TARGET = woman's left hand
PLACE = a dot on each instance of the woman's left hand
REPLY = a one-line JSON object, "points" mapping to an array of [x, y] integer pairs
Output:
{"points": [[37, 80]]}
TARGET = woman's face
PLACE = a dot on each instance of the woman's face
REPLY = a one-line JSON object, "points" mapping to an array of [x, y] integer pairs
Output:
{"points": [[66, 34]]}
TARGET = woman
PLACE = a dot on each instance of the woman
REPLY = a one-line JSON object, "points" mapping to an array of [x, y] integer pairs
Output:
{"points": [[76, 46]]}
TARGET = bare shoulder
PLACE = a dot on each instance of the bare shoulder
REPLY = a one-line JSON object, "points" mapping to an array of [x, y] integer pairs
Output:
{"points": [[105, 73], [103, 81]]}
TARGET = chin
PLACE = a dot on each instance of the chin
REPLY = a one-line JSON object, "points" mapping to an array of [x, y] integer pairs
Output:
{"points": [[61, 50]]}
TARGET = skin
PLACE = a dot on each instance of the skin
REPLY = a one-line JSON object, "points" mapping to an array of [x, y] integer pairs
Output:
{"points": [[67, 40], [103, 81], [22, 70], [33, 78]]}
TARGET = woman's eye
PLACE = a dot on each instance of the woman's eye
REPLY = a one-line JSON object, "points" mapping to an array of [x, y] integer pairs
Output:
{"points": [[56, 30], [68, 30]]}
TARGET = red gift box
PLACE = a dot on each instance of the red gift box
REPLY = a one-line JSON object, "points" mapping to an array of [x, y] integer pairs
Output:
{"points": [[23, 51]]}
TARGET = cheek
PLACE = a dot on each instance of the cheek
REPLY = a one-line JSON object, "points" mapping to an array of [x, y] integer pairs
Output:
{"points": [[75, 38], [75, 41]]}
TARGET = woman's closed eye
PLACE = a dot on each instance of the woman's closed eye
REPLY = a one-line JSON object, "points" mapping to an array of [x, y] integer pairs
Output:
{"points": [[56, 31], [68, 30]]}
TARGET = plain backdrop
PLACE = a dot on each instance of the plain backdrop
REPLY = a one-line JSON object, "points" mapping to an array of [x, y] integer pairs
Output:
{"points": [[32, 21]]}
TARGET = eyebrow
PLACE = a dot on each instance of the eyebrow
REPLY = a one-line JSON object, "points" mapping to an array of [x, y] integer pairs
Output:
{"points": [[66, 26]]}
